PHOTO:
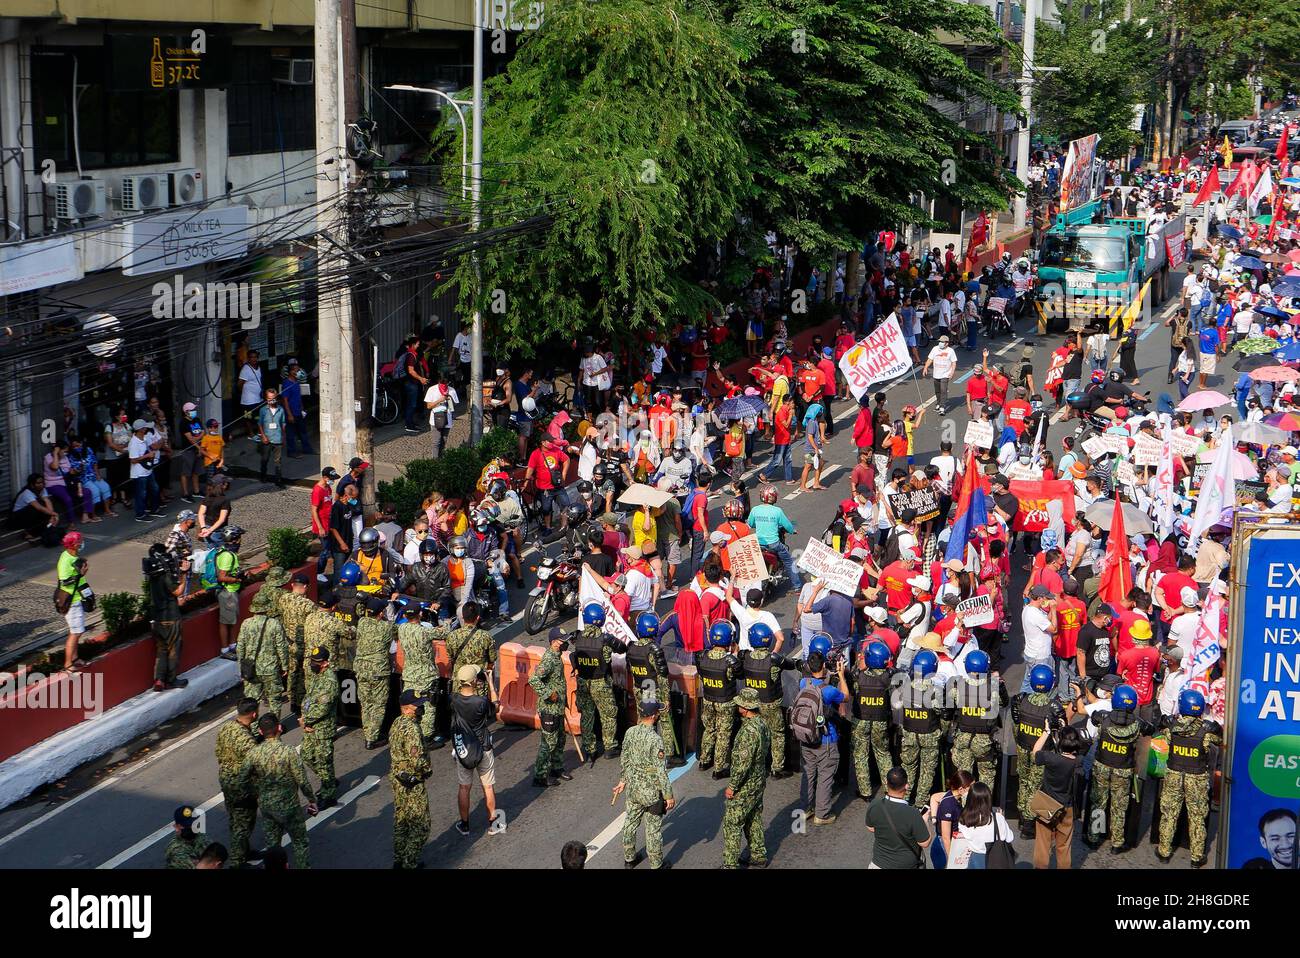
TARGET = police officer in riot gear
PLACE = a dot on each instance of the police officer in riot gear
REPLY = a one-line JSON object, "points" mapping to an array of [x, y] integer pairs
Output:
{"points": [[1033, 712], [592, 650], [1117, 737], [760, 670], [872, 714], [977, 701], [923, 723], [648, 680], [1187, 780], [718, 669]]}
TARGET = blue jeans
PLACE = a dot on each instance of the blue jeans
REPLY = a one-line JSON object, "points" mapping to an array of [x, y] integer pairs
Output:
{"points": [[410, 401], [145, 490], [1067, 671], [1029, 667], [1241, 406], [783, 553], [976, 860], [780, 455], [972, 330]]}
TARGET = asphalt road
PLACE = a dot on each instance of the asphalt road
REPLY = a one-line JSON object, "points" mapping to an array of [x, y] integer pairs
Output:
{"points": [[117, 812]]}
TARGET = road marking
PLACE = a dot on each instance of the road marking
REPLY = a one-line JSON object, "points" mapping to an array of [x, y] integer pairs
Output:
{"points": [[113, 779], [616, 826], [1149, 330], [166, 830], [1011, 345], [826, 474]]}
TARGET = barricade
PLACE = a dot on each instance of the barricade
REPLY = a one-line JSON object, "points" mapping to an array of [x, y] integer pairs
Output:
{"points": [[518, 702]]}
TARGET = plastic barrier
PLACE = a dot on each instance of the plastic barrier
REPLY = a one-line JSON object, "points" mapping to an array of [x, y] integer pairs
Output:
{"points": [[518, 702]]}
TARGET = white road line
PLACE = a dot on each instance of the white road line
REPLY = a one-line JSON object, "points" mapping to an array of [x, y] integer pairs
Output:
{"points": [[826, 474], [615, 827], [113, 779], [1011, 345], [166, 830]]}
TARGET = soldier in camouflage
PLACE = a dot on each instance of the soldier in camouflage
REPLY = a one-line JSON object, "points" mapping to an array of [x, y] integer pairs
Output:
{"points": [[977, 699], [275, 773], [470, 645], [419, 667], [263, 647], [718, 670], [1187, 779], [407, 775], [649, 793], [1118, 731], [373, 667], [648, 678], [320, 722], [295, 605], [744, 794], [324, 629], [186, 846], [547, 681], [235, 739], [870, 679], [593, 650], [760, 670], [1032, 713]]}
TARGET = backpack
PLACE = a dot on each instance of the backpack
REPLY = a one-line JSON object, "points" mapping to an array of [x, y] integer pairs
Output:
{"points": [[891, 548], [465, 742], [688, 514], [806, 715], [208, 578]]}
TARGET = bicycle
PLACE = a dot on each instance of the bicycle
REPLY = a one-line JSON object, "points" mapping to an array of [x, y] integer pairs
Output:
{"points": [[386, 407]]}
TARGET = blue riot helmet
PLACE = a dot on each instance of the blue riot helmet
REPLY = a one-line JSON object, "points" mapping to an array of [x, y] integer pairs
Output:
{"points": [[1042, 678], [977, 663], [877, 655], [593, 613], [1191, 702], [721, 635], [760, 635], [647, 626]]}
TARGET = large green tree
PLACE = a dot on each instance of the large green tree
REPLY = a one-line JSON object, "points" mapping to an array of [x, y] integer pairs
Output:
{"points": [[619, 120], [851, 113], [1107, 67]]}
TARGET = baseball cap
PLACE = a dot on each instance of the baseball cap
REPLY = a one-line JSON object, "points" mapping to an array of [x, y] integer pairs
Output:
{"points": [[291, 361], [299, 579], [919, 582], [905, 554], [876, 614], [189, 407], [329, 472], [648, 707], [633, 552], [1174, 652], [1040, 592], [468, 674], [1289, 451], [356, 462], [138, 425], [1189, 598]]}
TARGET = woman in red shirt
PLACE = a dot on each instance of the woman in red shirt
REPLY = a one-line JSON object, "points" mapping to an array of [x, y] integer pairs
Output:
{"points": [[782, 434]]}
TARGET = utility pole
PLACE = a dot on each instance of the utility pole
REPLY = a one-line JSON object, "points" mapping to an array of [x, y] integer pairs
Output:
{"points": [[476, 185], [334, 306], [1026, 105]]}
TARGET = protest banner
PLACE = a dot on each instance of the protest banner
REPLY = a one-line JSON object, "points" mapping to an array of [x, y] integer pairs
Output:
{"points": [[877, 358], [976, 611], [1184, 445], [1200, 472], [1176, 250], [821, 561], [1125, 475], [1146, 450], [1035, 500], [746, 558], [1095, 447], [979, 434], [615, 624], [924, 501]]}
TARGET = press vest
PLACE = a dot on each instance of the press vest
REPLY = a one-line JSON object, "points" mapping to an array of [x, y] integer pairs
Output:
{"points": [[871, 696], [756, 674], [718, 685]]}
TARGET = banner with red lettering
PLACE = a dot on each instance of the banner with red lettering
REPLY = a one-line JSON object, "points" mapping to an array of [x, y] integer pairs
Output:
{"points": [[1035, 496], [1176, 247], [876, 359]]}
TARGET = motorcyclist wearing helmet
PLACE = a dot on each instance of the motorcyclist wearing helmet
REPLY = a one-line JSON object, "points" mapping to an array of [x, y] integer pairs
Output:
{"points": [[593, 650], [1115, 392], [678, 466], [485, 544], [1117, 730], [460, 577], [760, 668], [1033, 712], [869, 697], [427, 578], [377, 566], [731, 528], [718, 670], [510, 517], [769, 522], [978, 698], [648, 680], [1187, 781]]}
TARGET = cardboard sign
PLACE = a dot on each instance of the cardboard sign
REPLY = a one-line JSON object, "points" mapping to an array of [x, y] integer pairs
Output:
{"points": [[924, 501], [1185, 445], [1125, 475], [1095, 448], [1247, 489], [1116, 445], [1200, 472], [821, 561], [976, 611], [746, 558], [879, 357], [979, 434], [1029, 473], [1146, 450]]}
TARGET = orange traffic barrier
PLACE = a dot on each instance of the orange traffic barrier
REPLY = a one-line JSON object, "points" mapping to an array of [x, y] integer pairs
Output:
{"points": [[517, 701]]}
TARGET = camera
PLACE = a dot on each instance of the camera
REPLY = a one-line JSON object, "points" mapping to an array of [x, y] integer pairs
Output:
{"points": [[159, 562]]}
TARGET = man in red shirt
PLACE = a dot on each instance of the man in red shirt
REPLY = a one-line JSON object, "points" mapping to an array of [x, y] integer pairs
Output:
{"points": [[998, 386], [1049, 574], [1016, 411], [322, 501], [1169, 590], [545, 466], [785, 365], [862, 480], [893, 579], [826, 367], [876, 631], [1071, 613], [1134, 608], [977, 391], [811, 382], [1137, 664]]}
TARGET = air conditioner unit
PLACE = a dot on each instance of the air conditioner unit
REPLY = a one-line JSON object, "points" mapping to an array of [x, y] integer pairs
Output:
{"points": [[79, 199], [144, 192], [291, 72], [186, 186]]}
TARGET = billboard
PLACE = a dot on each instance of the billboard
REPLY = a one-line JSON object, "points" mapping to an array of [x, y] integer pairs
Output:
{"points": [[1078, 184], [1262, 741]]}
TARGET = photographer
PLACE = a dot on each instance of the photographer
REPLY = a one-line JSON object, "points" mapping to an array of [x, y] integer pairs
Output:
{"points": [[168, 576], [1053, 804], [821, 761]]}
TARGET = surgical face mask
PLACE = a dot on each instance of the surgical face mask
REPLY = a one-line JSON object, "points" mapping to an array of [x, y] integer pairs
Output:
{"points": [[352, 502], [191, 415], [458, 553]]}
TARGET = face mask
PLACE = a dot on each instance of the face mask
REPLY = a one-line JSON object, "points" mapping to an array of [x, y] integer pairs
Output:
{"points": [[458, 553], [191, 415], [427, 559], [352, 502]]}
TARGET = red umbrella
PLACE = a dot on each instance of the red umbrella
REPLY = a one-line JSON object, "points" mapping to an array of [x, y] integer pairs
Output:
{"points": [[1284, 420]]}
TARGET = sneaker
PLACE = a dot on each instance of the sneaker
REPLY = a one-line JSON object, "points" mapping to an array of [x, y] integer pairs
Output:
{"points": [[462, 827], [141, 518], [668, 595], [824, 821], [158, 685], [178, 684]]}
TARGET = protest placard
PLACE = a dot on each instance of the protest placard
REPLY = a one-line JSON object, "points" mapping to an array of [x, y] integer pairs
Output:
{"points": [[821, 561], [924, 501], [1028, 473], [1146, 450], [746, 558], [976, 611], [877, 358], [1125, 475], [1116, 445], [979, 434], [1185, 445], [1095, 447]]}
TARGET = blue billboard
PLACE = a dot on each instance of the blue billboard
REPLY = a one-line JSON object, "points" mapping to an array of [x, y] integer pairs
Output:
{"points": [[1259, 827]]}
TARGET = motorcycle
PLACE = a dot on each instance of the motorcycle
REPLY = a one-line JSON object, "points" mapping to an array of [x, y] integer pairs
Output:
{"points": [[994, 318], [777, 580], [556, 591]]}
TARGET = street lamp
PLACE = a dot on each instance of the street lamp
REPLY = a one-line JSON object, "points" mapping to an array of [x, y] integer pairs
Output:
{"points": [[464, 130]]}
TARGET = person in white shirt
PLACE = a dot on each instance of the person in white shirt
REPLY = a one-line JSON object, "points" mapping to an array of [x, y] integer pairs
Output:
{"points": [[1038, 622], [250, 389], [1176, 679], [418, 532], [640, 587], [594, 379], [1184, 620], [944, 360], [752, 614], [440, 399], [947, 464]]}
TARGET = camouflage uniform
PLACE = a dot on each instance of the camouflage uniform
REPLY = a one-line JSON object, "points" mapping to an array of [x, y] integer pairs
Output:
{"points": [[373, 668], [645, 771], [548, 680], [743, 813], [294, 610], [596, 695], [322, 629], [870, 736], [319, 723], [184, 852], [470, 645], [275, 771], [1190, 789], [1029, 773], [406, 751], [420, 669], [976, 752], [1108, 796], [918, 753], [262, 642], [718, 717], [661, 692], [772, 714], [234, 741]]}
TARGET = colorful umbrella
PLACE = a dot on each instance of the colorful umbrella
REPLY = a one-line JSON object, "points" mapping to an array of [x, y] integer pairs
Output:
{"points": [[742, 407], [1275, 374], [1287, 286], [1243, 467], [1244, 364], [1248, 262], [1136, 522], [1231, 232], [1284, 420], [1290, 353], [1203, 399], [1270, 310], [1290, 181], [1264, 219], [1256, 344]]}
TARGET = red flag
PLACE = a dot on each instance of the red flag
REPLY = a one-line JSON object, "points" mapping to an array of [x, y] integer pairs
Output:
{"points": [[1246, 179], [1001, 249], [979, 233], [1117, 578], [1183, 163], [1281, 153], [1277, 215], [1208, 188]]}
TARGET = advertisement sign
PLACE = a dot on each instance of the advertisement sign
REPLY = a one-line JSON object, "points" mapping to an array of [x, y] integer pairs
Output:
{"points": [[1262, 775], [879, 357], [746, 558], [176, 241], [821, 561], [39, 263], [1077, 181]]}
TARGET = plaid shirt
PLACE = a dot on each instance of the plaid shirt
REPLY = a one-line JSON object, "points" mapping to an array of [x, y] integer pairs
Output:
{"points": [[179, 544]]}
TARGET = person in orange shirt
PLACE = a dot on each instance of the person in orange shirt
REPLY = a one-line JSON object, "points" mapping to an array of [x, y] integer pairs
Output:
{"points": [[1017, 410], [893, 579], [811, 382], [662, 422]]}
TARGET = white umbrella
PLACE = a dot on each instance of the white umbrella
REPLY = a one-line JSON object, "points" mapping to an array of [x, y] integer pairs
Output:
{"points": [[639, 494], [1262, 435]]}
